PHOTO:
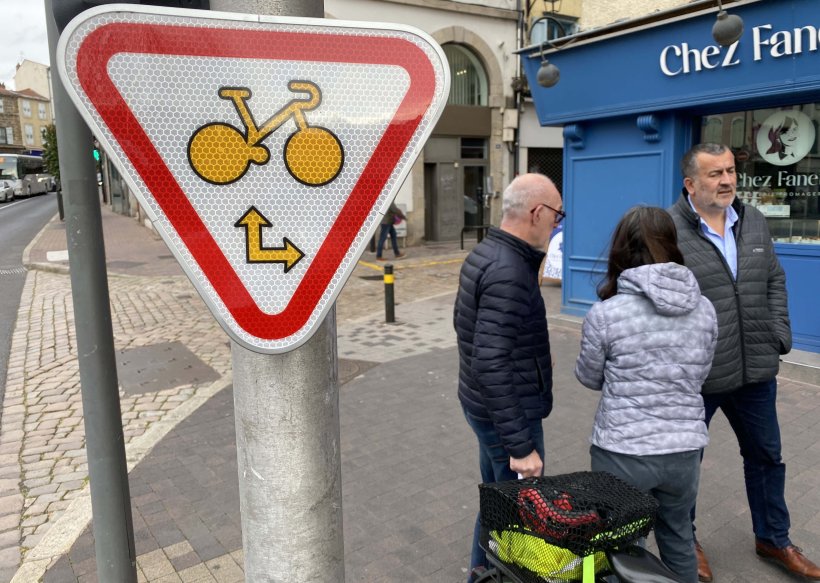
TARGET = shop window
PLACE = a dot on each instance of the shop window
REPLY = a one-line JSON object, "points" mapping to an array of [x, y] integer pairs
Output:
{"points": [[468, 85], [713, 129], [778, 166], [738, 127]]}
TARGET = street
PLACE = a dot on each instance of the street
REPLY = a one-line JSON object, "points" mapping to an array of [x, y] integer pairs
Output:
{"points": [[20, 221], [408, 458]]}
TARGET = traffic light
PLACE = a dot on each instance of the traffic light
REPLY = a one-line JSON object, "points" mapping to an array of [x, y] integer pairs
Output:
{"points": [[97, 154]]}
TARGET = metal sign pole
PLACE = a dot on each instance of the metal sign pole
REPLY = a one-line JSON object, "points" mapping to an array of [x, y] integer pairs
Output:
{"points": [[105, 444], [288, 437]]}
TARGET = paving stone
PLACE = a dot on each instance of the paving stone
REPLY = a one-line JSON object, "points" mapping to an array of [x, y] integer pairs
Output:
{"points": [[409, 518]]}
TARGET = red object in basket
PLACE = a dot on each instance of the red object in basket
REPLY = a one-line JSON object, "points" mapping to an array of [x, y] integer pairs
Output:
{"points": [[554, 518]]}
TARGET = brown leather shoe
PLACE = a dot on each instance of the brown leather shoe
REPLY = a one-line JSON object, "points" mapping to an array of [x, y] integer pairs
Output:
{"points": [[790, 558], [704, 571]]}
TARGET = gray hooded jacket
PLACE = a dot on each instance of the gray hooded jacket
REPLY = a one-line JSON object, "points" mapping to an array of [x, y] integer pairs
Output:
{"points": [[649, 349]]}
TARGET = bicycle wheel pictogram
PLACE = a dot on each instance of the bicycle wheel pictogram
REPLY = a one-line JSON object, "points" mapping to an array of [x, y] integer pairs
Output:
{"points": [[220, 153], [314, 156]]}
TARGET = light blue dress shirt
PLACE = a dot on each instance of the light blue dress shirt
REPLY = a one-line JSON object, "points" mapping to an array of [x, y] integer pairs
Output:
{"points": [[726, 245]]}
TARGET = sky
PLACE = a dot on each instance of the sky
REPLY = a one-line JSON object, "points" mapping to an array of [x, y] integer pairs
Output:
{"points": [[24, 36]]}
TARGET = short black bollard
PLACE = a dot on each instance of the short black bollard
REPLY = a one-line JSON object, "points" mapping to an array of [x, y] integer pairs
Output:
{"points": [[60, 205], [389, 299]]}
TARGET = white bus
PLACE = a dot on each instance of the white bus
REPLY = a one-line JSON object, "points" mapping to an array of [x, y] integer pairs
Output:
{"points": [[27, 173]]}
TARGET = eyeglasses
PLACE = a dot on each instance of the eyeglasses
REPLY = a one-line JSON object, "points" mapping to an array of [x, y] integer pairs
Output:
{"points": [[559, 215]]}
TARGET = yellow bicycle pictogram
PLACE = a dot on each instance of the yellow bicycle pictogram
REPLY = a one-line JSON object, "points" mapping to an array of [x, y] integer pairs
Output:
{"points": [[221, 153]]}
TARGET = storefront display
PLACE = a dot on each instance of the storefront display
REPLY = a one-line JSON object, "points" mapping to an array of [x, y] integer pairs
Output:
{"points": [[777, 155], [633, 97]]}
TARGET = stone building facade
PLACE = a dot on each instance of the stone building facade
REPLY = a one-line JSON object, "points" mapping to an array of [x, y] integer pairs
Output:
{"points": [[35, 116], [10, 135]]}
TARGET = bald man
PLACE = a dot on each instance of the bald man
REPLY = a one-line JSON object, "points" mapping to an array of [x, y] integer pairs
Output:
{"points": [[505, 367]]}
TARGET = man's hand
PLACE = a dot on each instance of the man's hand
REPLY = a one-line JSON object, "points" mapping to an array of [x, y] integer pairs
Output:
{"points": [[529, 466]]}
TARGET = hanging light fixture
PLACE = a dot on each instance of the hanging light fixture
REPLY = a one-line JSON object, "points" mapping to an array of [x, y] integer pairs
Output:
{"points": [[548, 74], [728, 28]]}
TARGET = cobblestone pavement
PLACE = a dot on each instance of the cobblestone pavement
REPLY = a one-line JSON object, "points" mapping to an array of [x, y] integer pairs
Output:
{"points": [[410, 520], [42, 440]]}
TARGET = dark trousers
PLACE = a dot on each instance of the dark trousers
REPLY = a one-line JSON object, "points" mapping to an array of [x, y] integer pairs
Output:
{"points": [[672, 479], [752, 413], [394, 240], [494, 463]]}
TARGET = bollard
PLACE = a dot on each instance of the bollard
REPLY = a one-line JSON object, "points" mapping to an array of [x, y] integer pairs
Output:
{"points": [[60, 205], [389, 299]]}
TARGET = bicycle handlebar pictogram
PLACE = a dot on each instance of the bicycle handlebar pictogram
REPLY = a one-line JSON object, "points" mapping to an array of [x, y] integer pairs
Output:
{"points": [[220, 153]]}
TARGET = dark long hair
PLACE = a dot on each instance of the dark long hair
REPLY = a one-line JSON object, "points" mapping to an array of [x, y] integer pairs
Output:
{"points": [[645, 234]]}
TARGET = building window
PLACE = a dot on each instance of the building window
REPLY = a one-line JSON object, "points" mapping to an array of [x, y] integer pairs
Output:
{"points": [[474, 148], [29, 135], [26, 108], [548, 28], [778, 166], [2, 107], [468, 79], [6, 136], [41, 110]]}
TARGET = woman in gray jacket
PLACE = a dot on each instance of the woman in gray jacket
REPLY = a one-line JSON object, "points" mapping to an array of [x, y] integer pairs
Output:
{"points": [[648, 346]]}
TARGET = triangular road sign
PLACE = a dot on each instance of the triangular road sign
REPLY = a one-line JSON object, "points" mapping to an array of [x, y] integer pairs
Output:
{"points": [[264, 149]]}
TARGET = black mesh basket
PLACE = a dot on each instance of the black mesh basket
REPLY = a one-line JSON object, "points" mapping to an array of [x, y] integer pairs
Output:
{"points": [[543, 527]]}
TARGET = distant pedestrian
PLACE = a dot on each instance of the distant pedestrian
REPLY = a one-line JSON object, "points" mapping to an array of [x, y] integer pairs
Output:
{"points": [[392, 217], [728, 246], [505, 367], [648, 346]]}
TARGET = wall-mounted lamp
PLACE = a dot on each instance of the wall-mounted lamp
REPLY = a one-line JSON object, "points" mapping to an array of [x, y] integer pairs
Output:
{"points": [[728, 28], [548, 74]]}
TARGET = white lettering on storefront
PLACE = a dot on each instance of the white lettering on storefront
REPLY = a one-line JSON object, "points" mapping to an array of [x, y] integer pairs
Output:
{"points": [[682, 59], [783, 43], [686, 59], [786, 179], [745, 180], [783, 179]]}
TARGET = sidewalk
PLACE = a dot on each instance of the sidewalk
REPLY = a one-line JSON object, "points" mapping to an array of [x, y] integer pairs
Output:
{"points": [[408, 457]]}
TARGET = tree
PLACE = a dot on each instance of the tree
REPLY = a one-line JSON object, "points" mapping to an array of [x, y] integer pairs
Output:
{"points": [[51, 156]]}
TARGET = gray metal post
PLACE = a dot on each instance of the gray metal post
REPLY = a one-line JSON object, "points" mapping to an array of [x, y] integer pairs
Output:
{"points": [[105, 445], [287, 435]]}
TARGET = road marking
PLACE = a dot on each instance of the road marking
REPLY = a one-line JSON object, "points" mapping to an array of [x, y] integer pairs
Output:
{"points": [[57, 255], [379, 267]]}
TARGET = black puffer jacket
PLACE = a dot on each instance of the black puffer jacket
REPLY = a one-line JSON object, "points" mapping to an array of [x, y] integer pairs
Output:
{"points": [[505, 370], [753, 314]]}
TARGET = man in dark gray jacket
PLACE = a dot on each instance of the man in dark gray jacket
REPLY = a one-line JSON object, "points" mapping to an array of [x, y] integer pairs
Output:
{"points": [[728, 247], [505, 368]]}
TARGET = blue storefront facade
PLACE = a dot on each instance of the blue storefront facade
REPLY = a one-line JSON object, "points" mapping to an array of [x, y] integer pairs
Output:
{"points": [[632, 101]]}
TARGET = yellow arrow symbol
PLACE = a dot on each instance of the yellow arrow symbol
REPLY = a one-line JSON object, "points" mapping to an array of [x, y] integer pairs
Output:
{"points": [[253, 221]]}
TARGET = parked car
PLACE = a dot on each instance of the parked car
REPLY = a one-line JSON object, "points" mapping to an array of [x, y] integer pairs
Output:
{"points": [[6, 190]]}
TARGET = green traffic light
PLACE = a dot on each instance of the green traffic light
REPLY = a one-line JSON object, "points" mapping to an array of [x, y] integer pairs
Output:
{"points": [[96, 154]]}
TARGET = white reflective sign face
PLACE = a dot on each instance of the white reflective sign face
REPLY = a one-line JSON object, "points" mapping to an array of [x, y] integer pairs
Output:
{"points": [[265, 150]]}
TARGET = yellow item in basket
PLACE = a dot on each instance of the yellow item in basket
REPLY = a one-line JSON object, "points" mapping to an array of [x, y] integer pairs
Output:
{"points": [[537, 555]]}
